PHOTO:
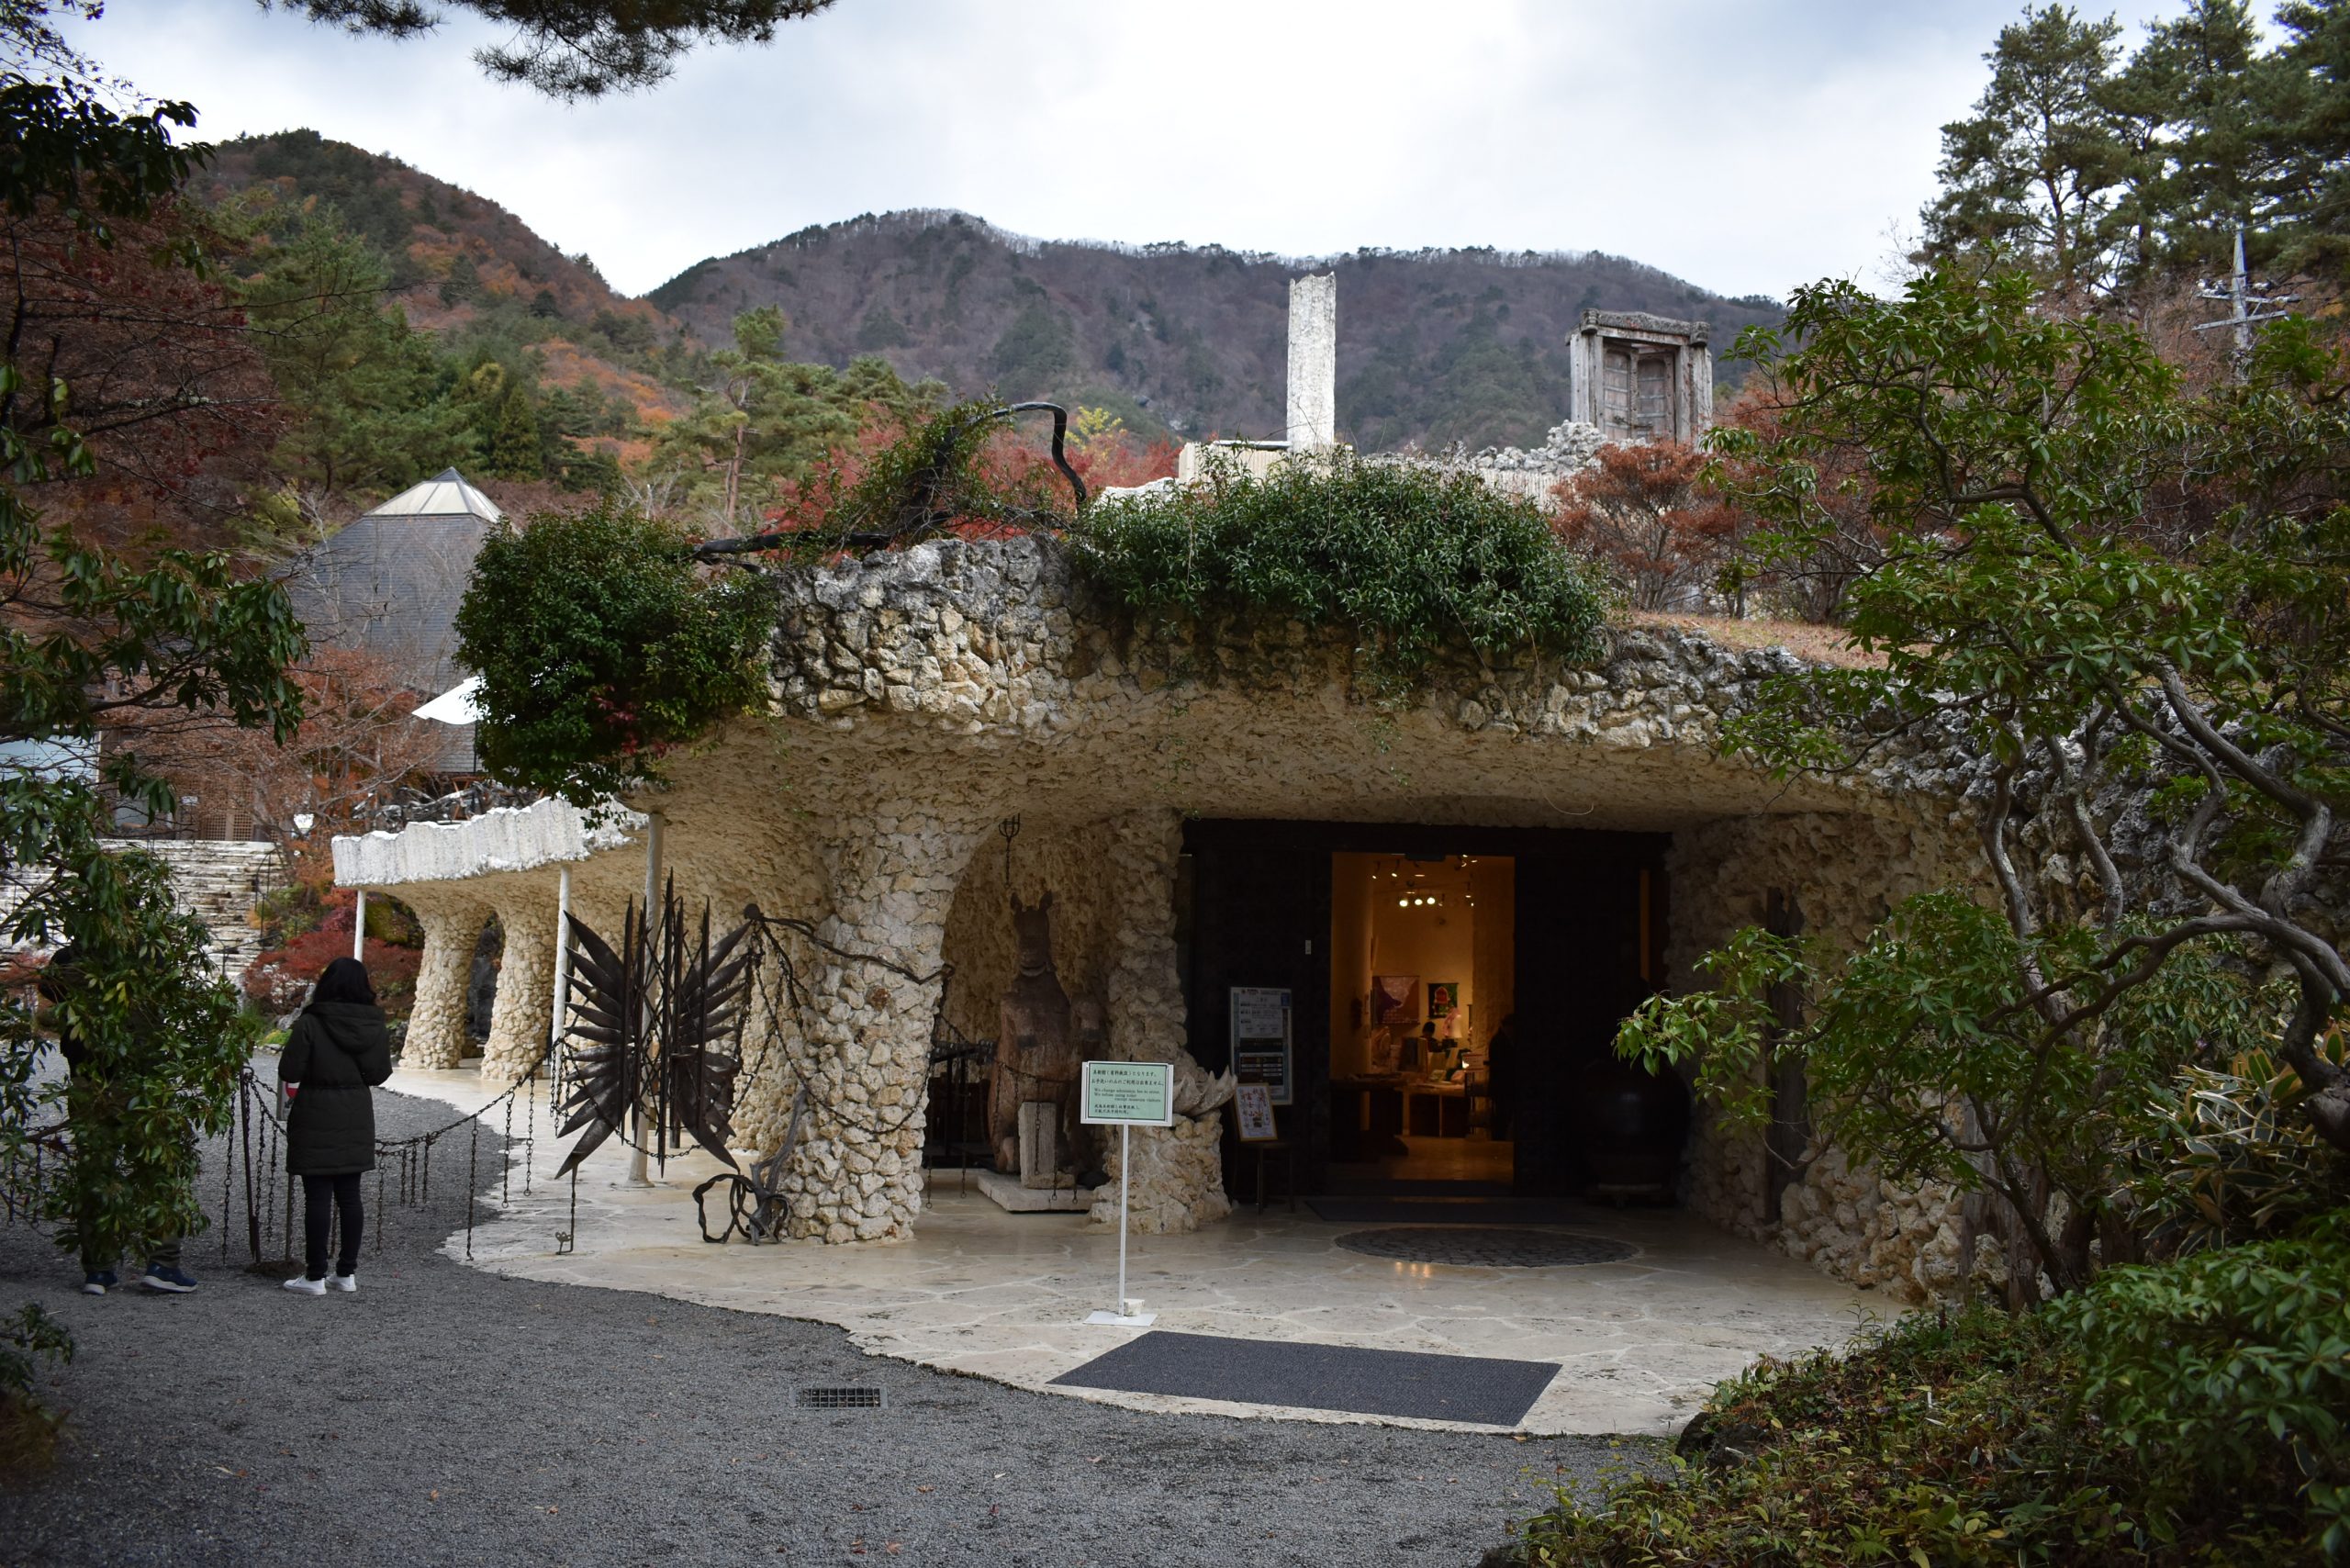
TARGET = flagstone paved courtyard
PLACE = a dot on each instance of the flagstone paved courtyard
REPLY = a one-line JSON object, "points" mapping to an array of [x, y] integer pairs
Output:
{"points": [[1654, 1308], [450, 1415]]}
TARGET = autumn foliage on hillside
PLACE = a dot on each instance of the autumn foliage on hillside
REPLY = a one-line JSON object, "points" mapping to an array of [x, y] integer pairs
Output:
{"points": [[357, 744], [162, 380]]}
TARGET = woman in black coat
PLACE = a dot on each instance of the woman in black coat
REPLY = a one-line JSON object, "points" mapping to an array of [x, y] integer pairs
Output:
{"points": [[337, 1052]]}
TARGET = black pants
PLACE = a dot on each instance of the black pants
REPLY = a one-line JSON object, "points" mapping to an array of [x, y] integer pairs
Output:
{"points": [[316, 1217]]}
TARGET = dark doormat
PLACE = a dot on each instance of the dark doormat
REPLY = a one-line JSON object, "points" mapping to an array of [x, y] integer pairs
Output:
{"points": [[1484, 1389], [1449, 1211]]}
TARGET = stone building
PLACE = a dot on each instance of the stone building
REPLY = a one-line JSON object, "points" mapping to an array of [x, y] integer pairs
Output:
{"points": [[1419, 925], [1640, 377], [1525, 841]]}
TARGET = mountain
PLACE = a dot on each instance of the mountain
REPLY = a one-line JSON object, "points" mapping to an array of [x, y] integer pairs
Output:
{"points": [[1434, 346], [463, 267]]}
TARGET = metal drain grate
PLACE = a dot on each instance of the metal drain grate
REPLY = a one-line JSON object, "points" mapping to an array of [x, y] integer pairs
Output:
{"points": [[837, 1398]]}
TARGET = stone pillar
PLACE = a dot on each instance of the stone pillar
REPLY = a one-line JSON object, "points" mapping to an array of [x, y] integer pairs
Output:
{"points": [[1178, 1171], [857, 1176], [519, 1020], [436, 1025], [1313, 362]]}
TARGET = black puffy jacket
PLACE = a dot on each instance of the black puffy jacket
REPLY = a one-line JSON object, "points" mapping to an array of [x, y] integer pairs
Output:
{"points": [[338, 1051]]}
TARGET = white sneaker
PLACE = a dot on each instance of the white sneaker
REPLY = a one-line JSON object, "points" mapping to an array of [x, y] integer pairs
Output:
{"points": [[346, 1283], [302, 1286]]}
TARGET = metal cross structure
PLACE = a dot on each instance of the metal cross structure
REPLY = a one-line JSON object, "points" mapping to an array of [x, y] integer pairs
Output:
{"points": [[2248, 304]]}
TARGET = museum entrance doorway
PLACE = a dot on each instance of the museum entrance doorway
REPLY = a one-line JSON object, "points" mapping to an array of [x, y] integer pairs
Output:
{"points": [[1432, 1009]]}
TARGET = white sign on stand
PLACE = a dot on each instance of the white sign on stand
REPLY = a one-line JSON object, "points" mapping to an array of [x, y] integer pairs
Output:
{"points": [[1127, 1094]]}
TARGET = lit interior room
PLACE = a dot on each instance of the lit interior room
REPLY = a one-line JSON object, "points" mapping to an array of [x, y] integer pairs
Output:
{"points": [[1423, 956]]}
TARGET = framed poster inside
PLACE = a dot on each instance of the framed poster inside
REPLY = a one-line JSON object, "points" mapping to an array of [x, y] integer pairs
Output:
{"points": [[1260, 1039], [1444, 999], [1394, 999], [1252, 1105]]}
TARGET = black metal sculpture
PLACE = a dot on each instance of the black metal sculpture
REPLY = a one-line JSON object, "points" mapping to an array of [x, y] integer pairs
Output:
{"points": [[755, 1203], [656, 1029], [661, 1019]]}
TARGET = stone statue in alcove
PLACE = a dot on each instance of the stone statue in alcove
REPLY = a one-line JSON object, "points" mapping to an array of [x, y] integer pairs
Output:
{"points": [[1036, 1055]]}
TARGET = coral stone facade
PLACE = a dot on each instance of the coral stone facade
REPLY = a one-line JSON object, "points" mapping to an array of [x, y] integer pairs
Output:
{"points": [[919, 700]]}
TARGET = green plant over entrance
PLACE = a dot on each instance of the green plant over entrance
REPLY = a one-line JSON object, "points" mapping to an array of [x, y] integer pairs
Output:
{"points": [[1409, 559]]}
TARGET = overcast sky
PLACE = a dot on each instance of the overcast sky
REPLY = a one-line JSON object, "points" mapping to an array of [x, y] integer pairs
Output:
{"points": [[1747, 145]]}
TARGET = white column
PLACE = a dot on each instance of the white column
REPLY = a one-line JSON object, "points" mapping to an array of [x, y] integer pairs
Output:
{"points": [[359, 928], [1313, 362], [562, 965]]}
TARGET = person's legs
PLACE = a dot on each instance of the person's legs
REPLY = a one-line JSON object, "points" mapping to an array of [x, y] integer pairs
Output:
{"points": [[85, 1107], [163, 1271], [317, 1216], [98, 1259], [355, 1221]]}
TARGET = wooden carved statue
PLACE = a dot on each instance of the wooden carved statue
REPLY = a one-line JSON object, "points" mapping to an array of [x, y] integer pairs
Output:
{"points": [[1036, 1049]]}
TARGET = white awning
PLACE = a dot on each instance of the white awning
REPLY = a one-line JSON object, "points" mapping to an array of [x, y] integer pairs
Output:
{"points": [[456, 705]]}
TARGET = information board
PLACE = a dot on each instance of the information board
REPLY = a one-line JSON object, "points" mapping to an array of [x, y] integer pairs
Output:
{"points": [[1137, 1094], [1261, 1038]]}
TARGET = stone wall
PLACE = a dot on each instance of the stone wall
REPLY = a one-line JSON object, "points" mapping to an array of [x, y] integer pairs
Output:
{"points": [[1065, 860], [218, 881], [1844, 874]]}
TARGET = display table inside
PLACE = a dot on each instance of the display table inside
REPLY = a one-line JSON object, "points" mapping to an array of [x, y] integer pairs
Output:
{"points": [[1434, 1110]]}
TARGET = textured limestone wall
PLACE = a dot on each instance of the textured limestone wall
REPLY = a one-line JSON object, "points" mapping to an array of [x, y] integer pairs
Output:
{"points": [[218, 881], [1177, 1183], [520, 1019], [859, 1173], [1844, 873], [436, 1024], [1066, 860]]}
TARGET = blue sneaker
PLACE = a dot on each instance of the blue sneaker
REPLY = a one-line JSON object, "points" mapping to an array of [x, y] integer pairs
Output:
{"points": [[172, 1278], [97, 1281]]}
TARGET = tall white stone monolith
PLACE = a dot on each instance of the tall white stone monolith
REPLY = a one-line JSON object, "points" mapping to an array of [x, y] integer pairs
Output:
{"points": [[1313, 362]]}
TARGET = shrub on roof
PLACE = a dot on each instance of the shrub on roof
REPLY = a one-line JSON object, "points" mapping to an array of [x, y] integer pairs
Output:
{"points": [[1411, 560]]}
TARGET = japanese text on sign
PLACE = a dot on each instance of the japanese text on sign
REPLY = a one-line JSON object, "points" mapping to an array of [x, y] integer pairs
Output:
{"points": [[1138, 1092]]}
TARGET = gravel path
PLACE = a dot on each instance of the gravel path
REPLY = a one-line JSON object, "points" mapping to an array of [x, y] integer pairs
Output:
{"points": [[447, 1416]]}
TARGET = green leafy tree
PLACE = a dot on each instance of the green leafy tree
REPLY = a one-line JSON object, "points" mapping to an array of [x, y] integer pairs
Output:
{"points": [[762, 419], [366, 396], [463, 282], [2108, 176], [601, 646], [2034, 169], [88, 638], [2113, 594], [511, 447], [2205, 99], [568, 49], [2309, 135]]}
